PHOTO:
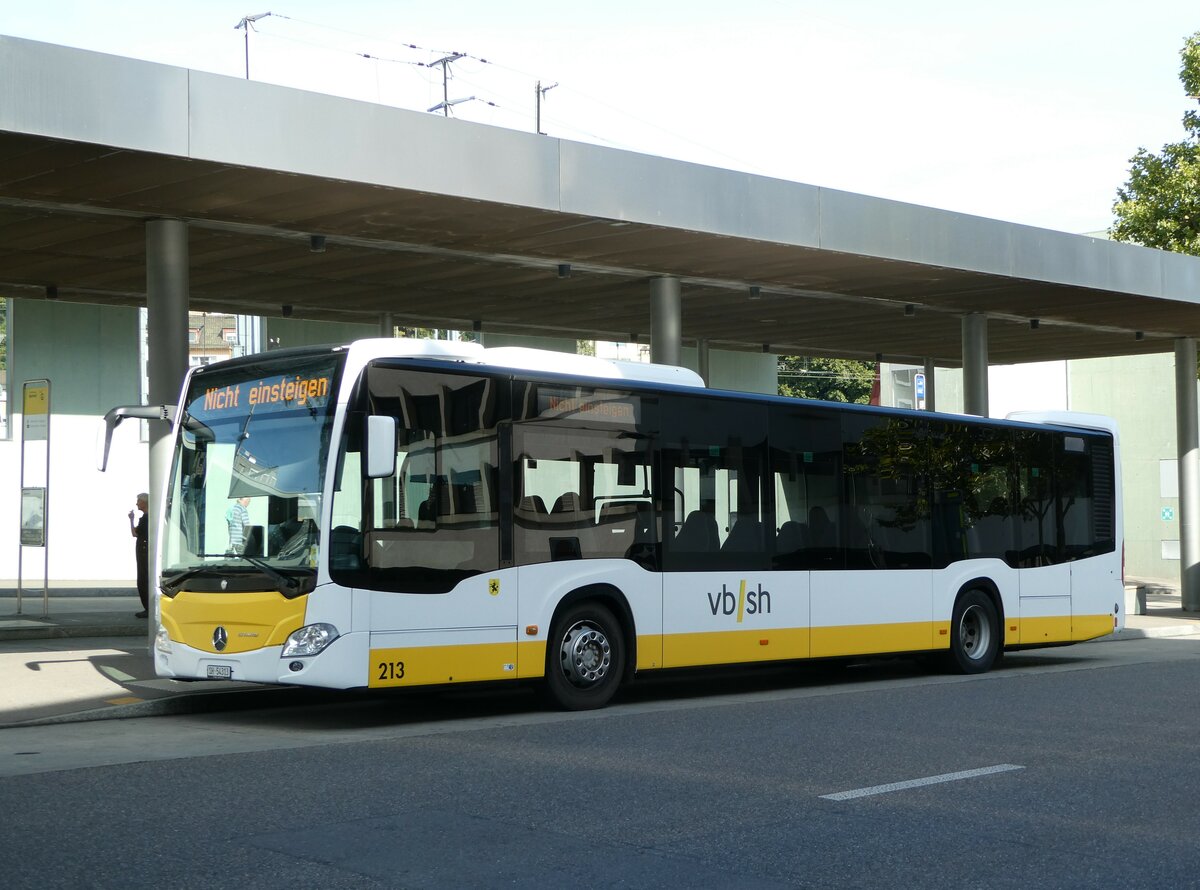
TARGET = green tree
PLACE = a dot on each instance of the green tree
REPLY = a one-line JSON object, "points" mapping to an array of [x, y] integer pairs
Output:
{"points": [[1160, 204], [827, 379]]}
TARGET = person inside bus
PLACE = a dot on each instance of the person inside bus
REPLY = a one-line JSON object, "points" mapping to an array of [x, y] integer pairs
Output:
{"points": [[238, 518], [140, 530]]}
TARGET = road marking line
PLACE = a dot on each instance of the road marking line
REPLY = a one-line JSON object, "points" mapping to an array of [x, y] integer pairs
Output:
{"points": [[917, 783]]}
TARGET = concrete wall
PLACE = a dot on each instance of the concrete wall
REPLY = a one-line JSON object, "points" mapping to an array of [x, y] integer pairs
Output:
{"points": [[555, 344], [284, 333], [740, 371], [1140, 393], [90, 356]]}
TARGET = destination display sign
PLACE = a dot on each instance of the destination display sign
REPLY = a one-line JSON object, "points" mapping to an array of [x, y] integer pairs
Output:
{"points": [[580, 403], [268, 394]]}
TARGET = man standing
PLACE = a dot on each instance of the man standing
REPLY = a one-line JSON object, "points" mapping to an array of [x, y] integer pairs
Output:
{"points": [[238, 519], [141, 534]]}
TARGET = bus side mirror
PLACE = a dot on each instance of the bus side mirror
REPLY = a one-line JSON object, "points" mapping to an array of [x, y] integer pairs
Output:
{"points": [[381, 447], [113, 419]]}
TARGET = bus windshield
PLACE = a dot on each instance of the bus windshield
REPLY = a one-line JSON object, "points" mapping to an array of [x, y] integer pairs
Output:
{"points": [[248, 472]]}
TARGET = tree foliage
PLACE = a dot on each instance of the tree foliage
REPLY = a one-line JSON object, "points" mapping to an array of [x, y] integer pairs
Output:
{"points": [[1160, 204], [827, 379]]}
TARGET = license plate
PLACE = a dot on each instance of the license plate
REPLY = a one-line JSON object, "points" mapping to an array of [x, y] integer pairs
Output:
{"points": [[220, 672]]}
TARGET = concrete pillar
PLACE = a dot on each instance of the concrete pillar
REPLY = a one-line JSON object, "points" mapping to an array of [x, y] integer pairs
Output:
{"points": [[167, 358], [930, 391], [1188, 439], [666, 321], [387, 327], [975, 364], [702, 365]]}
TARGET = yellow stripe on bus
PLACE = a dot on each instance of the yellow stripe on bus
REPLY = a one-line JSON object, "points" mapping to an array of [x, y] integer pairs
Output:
{"points": [[428, 665], [735, 646], [866, 639], [1048, 629], [1089, 627], [531, 655], [251, 620]]}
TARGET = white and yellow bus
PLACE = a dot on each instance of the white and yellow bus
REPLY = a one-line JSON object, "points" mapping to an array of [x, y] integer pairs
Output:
{"points": [[424, 513]]}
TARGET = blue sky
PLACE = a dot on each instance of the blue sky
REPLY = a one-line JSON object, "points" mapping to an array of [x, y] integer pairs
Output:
{"points": [[1022, 111]]}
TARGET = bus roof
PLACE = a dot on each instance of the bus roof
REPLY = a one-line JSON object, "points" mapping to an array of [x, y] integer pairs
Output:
{"points": [[520, 358], [565, 364]]}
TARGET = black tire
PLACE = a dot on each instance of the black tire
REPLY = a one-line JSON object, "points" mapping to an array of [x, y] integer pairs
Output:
{"points": [[585, 657], [975, 634]]}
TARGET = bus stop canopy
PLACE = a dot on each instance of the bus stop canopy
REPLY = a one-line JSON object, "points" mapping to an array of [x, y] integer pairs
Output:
{"points": [[345, 210]]}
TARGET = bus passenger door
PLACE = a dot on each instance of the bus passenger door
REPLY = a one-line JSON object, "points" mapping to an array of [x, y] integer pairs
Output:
{"points": [[877, 596], [584, 516], [1045, 574], [420, 547], [722, 603]]}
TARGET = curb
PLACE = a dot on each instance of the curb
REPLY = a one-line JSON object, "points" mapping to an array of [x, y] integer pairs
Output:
{"points": [[189, 702], [1148, 633], [61, 631]]}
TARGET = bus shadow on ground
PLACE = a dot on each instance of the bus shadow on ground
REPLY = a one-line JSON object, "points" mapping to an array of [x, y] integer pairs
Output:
{"points": [[301, 709]]}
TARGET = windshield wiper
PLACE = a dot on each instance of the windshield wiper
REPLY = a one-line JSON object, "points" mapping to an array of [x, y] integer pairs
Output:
{"points": [[270, 571], [172, 584]]}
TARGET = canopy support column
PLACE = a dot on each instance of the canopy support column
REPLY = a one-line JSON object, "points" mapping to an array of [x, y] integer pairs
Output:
{"points": [[702, 366], [975, 364], [167, 360], [1188, 439], [666, 321]]}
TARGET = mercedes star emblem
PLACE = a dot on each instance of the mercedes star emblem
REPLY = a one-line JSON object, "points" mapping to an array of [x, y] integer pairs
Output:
{"points": [[220, 639]]}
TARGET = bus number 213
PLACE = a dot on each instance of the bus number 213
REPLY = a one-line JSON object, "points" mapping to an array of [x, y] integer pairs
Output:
{"points": [[391, 670]]}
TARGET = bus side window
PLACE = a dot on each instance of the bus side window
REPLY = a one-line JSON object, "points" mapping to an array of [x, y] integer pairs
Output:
{"points": [[888, 522], [1037, 519], [597, 484], [806, 453]]}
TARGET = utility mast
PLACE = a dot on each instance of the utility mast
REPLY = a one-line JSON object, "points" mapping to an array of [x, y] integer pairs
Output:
{"points": [[539, 93], [444, 105], [245, 25]]}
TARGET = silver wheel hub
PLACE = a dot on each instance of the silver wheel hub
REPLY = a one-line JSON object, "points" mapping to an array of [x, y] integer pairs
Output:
{"points": [[974, 632], [586, 654]]}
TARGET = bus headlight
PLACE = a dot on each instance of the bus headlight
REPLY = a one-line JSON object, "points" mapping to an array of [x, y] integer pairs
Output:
{"points": [[309, 640]]}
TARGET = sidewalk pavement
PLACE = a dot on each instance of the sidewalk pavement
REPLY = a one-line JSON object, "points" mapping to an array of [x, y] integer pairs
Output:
{"points": [[88, 658]]}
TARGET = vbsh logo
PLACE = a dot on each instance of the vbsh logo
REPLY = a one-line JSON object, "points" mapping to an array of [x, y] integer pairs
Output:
{"points": [[744, 602]]}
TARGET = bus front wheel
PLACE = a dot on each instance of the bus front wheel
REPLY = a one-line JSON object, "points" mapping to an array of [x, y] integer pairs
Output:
{"points": [[585, 658], [974, 633]]}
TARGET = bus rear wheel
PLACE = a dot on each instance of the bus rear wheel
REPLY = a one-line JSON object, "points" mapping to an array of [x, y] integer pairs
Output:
{"points": [[585, 658], [974, 633]]}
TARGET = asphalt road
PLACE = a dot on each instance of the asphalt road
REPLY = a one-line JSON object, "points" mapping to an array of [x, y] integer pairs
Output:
{"points": [[1064, 768]]}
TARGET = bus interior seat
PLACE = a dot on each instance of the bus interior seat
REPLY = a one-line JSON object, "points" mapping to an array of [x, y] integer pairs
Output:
{"points": [[532, 505], [791, 537], [428, 509], [345, 548], [567, 502], [698, 534], [253, 544], [744, 537], [821, 531]]}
